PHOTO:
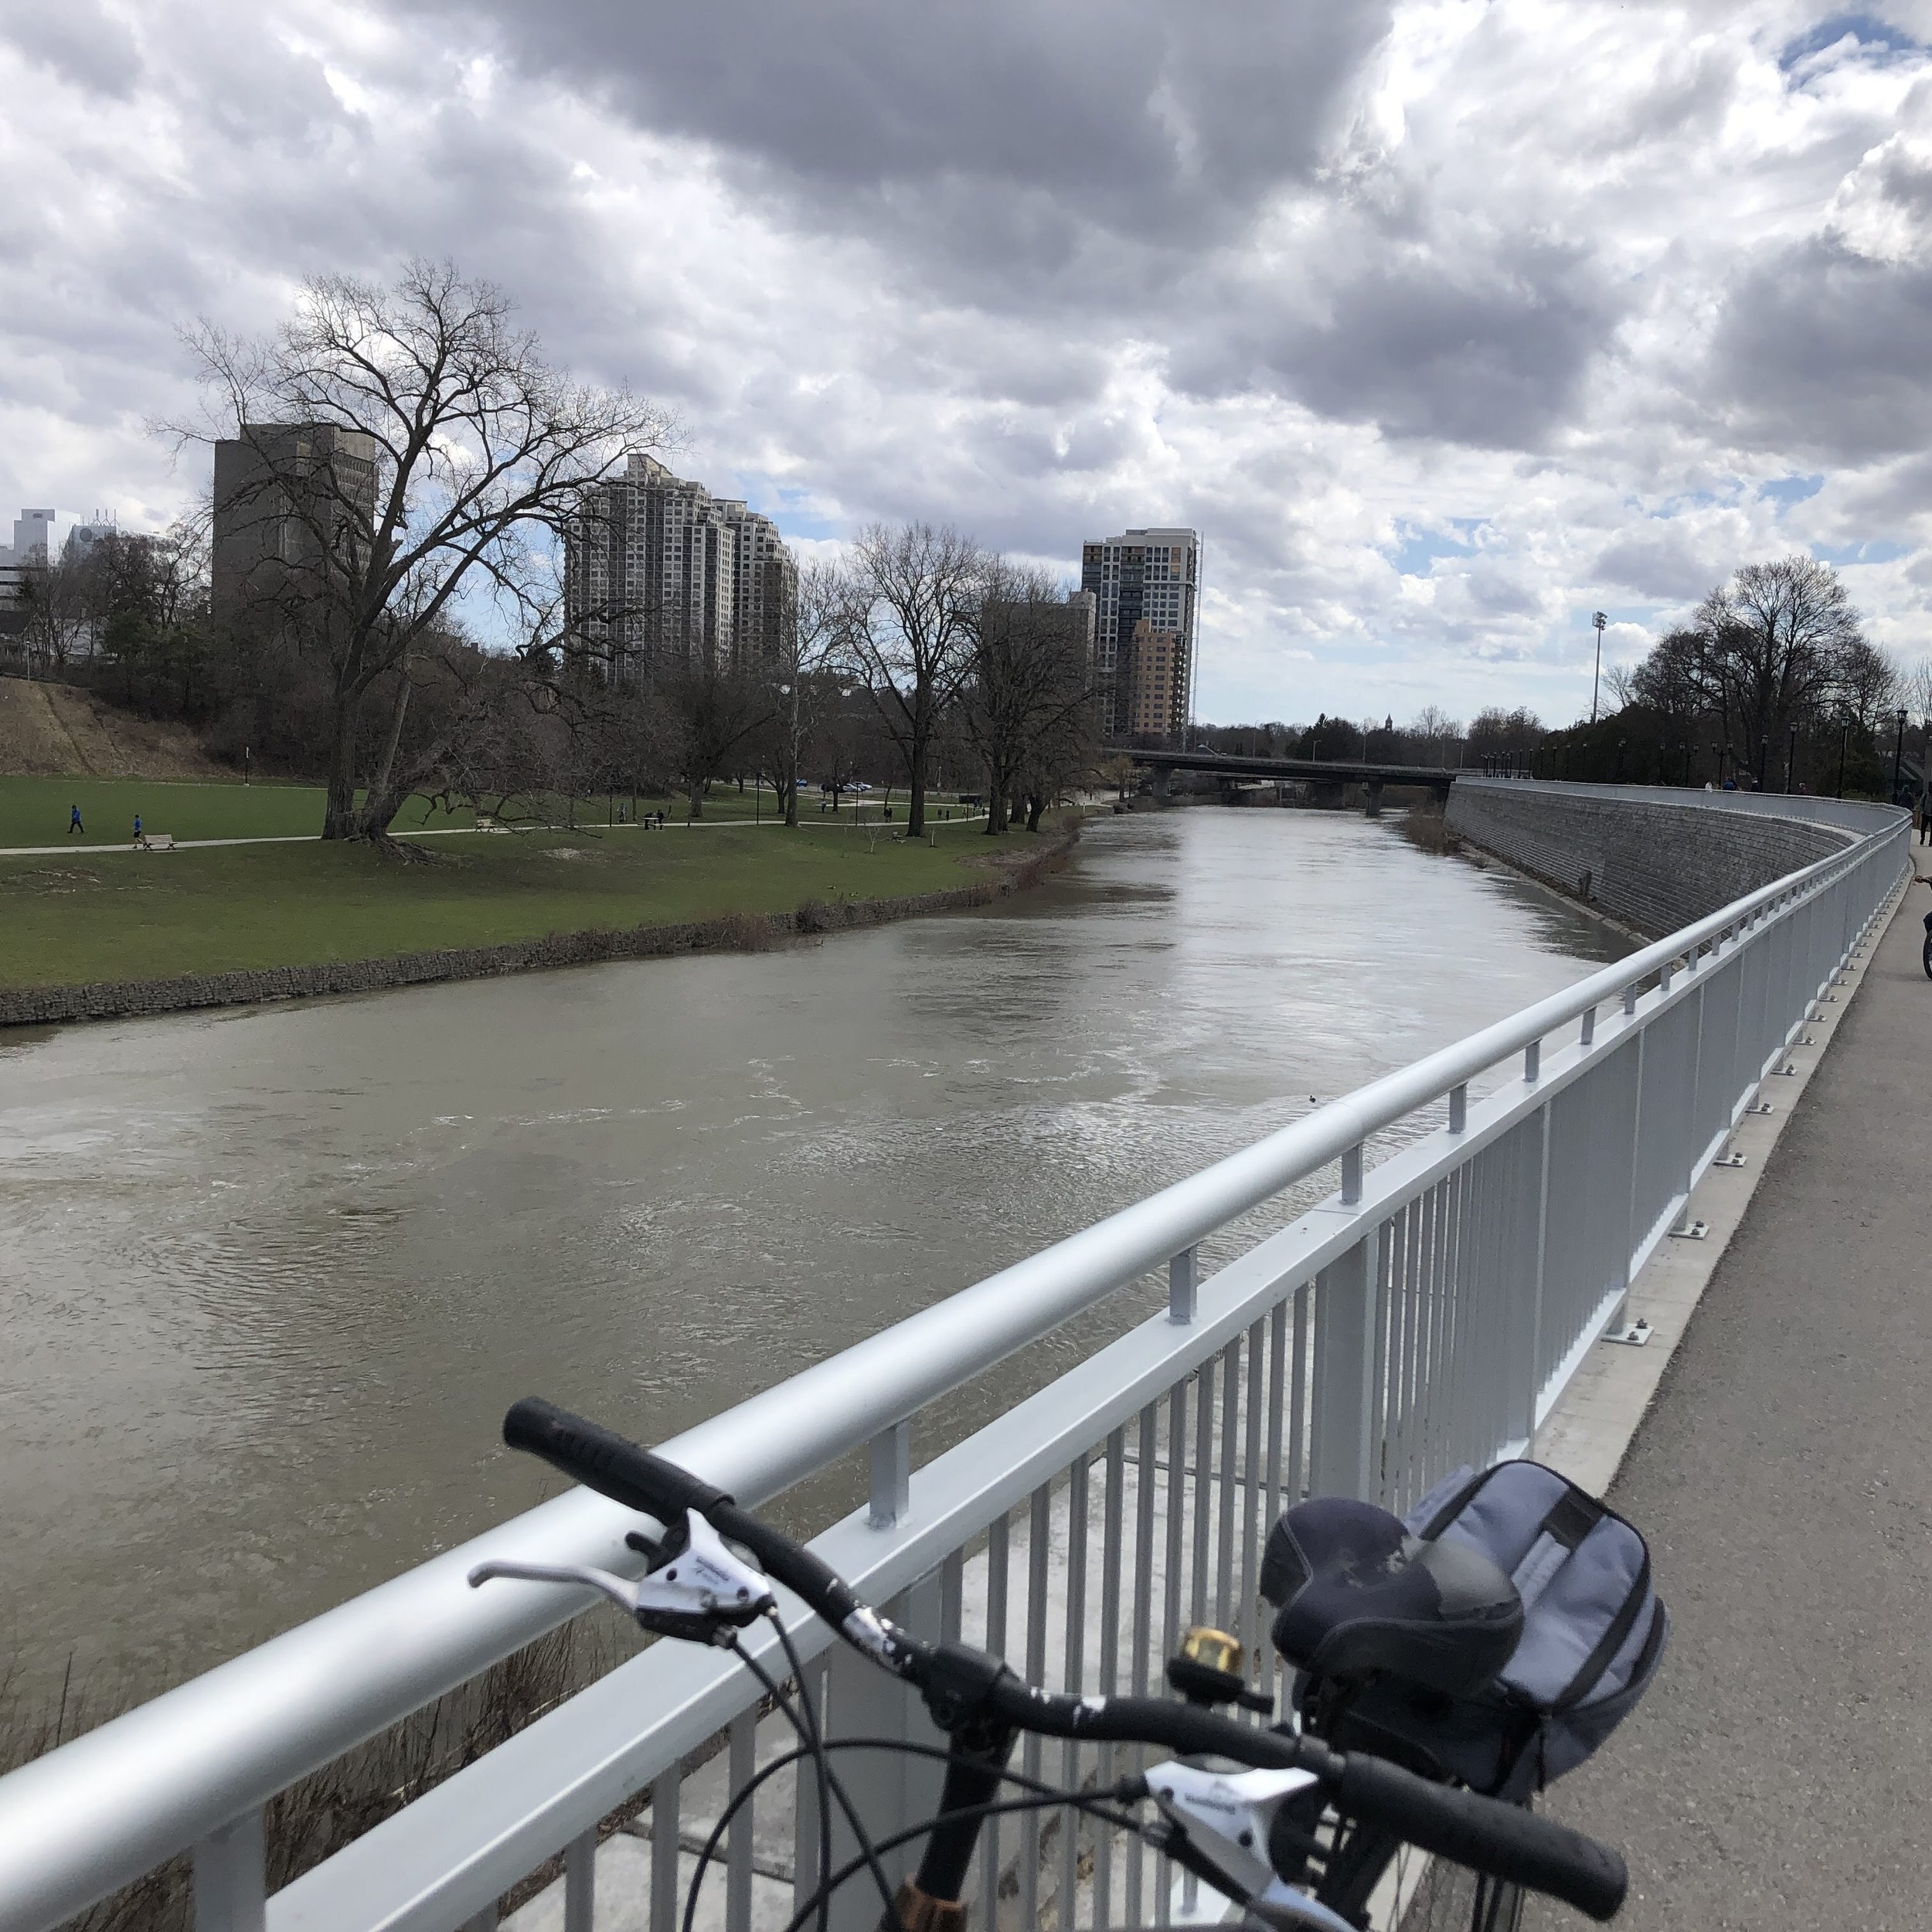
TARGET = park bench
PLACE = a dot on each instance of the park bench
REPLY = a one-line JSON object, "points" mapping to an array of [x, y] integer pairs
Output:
{"points": [[157, 841]]}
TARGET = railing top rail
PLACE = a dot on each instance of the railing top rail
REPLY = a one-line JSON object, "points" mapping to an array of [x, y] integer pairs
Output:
{"points": [[1854, 815], [97, 1813]]}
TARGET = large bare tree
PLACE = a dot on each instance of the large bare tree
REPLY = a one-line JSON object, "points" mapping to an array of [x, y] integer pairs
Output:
{"points": [[914, 594], [1029, 681], [1775, 642], [407, 450]]}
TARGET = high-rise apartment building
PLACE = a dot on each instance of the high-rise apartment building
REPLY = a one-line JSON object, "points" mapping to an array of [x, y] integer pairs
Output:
{"points": [[659, 574], [287, 494], [1146, 587]]}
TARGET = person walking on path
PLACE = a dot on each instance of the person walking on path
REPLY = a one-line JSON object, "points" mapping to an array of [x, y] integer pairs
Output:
{"points": [[137, 828], [73, 822], [1925, 816]]}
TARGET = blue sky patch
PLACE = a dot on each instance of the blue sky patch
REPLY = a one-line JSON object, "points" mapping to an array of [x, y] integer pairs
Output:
{"points": [[1877, 550], [1788, 490], [1877, 38]]}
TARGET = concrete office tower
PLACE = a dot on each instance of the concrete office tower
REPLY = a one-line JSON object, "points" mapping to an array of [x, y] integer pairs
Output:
{"points": [[288, 498], [31, 549], [32, 538], [1146, 586], [660, 575]]}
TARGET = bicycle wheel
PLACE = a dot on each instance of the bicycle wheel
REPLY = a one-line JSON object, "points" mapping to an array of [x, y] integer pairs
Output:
{"points": [[1926, 957], [1449, 1899]]}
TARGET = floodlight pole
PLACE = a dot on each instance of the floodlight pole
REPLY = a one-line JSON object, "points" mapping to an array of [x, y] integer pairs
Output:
{"points": [[1598, 619]]}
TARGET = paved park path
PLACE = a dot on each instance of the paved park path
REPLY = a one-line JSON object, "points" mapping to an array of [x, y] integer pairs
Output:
{"points": [[1780, 1773]]}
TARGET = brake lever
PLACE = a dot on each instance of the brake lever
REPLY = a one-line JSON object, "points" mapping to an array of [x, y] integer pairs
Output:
{"points": [[701, 1592]]}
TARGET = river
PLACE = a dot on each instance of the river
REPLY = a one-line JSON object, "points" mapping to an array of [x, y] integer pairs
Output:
{"points": [[269, 1277]]}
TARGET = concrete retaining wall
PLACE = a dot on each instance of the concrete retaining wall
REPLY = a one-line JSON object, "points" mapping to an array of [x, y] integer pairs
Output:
{"points": [[744, 932], [1655, 864]]}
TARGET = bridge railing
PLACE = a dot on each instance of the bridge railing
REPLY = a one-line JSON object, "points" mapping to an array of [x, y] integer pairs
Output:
{"points": [[1429, 1312]]}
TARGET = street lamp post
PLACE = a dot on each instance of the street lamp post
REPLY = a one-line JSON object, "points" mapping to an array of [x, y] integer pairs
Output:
{"points": [[1763, 756], [1790, 757], [1898, 757], [1599, 619], [1843, 745]]}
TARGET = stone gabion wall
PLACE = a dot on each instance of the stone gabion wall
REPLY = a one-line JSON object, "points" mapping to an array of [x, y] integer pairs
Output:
{"points": [[45, 1006], [1654, 866]]}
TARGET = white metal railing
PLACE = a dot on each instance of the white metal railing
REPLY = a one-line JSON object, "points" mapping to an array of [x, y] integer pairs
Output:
{"points": [[1427, 1314]]}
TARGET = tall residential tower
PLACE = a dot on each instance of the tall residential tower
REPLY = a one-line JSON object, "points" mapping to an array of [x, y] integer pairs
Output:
{"points": [[660, 575], [1145, 585]]}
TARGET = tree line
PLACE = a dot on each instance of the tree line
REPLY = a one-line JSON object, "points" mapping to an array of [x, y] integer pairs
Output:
{"points": [[1772, 684], [408, 468]]}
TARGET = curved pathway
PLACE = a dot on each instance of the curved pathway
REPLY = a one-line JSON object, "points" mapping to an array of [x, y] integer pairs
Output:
{"points": [[1780, 1773]]}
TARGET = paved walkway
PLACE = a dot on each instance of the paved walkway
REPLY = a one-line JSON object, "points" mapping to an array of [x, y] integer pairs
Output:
{"points": [[1780, 1773]]}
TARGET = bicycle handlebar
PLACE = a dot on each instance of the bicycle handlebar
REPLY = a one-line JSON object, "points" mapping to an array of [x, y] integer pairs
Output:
{"points": [[1482, 1833], [603, 1460]]}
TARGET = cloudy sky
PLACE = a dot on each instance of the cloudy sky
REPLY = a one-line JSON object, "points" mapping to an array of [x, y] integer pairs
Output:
{"points": [[1447, 321]]}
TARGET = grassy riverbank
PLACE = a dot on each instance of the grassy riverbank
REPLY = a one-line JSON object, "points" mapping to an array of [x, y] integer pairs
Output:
{"points": [[118, 916], [34, 811]]}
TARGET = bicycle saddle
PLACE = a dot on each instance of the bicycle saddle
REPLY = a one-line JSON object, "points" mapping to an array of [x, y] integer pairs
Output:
{"points": [[1356, 1594]]}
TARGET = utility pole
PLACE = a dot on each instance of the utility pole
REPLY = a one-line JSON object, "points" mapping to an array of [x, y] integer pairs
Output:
{"points": [[1598, 619]]}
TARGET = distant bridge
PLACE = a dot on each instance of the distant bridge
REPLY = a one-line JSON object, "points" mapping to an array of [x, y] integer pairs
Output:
{"points": [[1318, 771]]}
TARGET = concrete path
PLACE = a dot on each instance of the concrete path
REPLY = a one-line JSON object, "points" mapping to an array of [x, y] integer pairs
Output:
{"points": [[1780, 1773]]}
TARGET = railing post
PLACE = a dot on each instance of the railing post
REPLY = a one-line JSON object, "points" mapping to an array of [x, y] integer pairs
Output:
{"points": [[1459, 1110], [892, 1475], [580, 1883], [1182, 1290], [1341, 1459], [889, 1793], [231, 1877]]}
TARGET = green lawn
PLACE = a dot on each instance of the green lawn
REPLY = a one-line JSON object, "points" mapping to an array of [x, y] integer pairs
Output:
{"points": [[125, 915], [33, 811]]}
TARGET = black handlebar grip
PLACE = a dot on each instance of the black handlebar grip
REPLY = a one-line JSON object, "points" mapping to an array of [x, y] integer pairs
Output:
{"points": [[1485, 1835], [602, 1460], [814, 1581]]}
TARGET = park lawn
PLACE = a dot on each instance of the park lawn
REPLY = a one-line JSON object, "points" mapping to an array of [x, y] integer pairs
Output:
{"points": [[33, 811], [130, 915]]}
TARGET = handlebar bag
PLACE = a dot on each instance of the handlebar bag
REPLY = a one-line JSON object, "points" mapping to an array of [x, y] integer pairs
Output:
{"points": [[1593, 1639]]}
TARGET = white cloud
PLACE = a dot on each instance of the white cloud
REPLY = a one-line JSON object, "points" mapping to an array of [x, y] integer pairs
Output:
{"points": [[1447, 321]]}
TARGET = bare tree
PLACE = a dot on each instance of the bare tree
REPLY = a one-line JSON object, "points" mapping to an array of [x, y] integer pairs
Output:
{"points": [[713, 710], [418, 449], [1867, 683], [1030, 679], [910, 635], [810, 639], [1434, 730], [1775, 638]]}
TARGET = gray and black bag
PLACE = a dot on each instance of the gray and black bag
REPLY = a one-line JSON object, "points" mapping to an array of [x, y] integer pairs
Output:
{"points": [[1593, 1632]]}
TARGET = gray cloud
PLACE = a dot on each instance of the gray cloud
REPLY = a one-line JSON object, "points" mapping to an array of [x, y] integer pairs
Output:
{"points": [[1661, 560], [1129, 117], [1489, 352], [78, 41], [1823, 351]]}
